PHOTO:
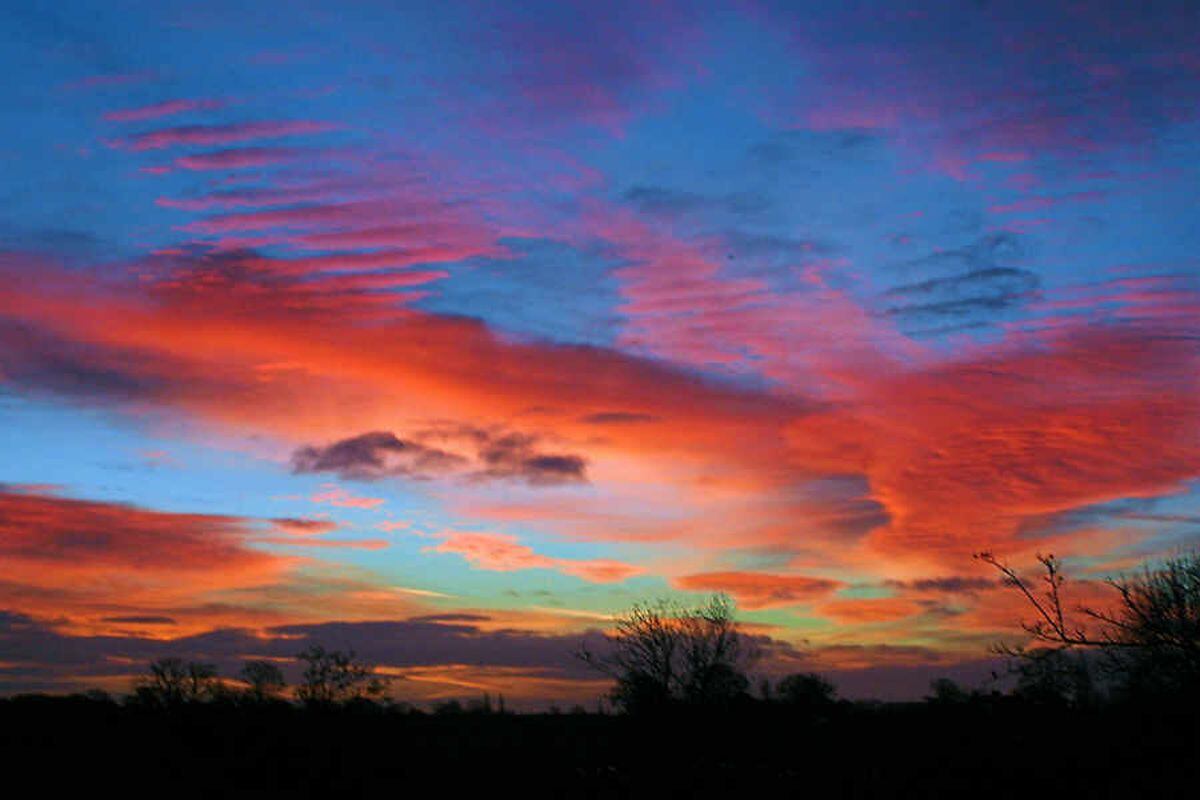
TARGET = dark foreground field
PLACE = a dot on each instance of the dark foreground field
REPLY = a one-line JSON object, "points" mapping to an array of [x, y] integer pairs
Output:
{"points": [[61, 747]]}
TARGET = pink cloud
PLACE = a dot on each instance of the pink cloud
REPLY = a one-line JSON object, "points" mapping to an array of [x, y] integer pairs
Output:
{"points": [[498, 552], [192, 135], [239, 158], [166, 108], [336, 496]]}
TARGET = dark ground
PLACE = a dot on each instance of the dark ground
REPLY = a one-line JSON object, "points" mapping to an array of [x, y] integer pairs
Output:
{"points": [[63, 747]]}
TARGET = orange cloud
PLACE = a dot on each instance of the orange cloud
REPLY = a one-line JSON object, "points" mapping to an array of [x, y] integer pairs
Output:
{"points": [[883, 609]]}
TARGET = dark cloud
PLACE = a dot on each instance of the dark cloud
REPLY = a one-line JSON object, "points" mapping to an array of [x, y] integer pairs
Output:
{"points": [[375, 455], [966, 286], [953, 584], [498, 455], [66, 662], [991, 289], [999, 248], [900, 683], [660, 200], [1106, 514], [765, 245], [843, 506], [811, 146], [63, 243], [617, 418], [140, 620], [514, 455], [664, 201], [451, 617], [39, 360], [1062, 78], [942, 330], [49, 658]]}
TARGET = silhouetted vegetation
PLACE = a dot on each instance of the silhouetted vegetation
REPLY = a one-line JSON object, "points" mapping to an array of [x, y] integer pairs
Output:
{"points": [[1145, 648], [334, 676], [663, 654], [692, 727], [806, 691], [173, 681], [264, 680], [972, 744]]}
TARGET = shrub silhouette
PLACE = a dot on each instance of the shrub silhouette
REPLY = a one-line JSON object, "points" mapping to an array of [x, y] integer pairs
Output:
{"points": [[663, 654]]}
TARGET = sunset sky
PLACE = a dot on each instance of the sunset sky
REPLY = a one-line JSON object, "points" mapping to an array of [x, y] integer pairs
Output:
{"points": [[444, 331]]}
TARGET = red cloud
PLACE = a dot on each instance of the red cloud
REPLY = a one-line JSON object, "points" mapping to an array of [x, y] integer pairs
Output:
{"points": [[959, 454], [63, 535], [304, 527], [946, 458], [240, 351], [92, 566], [81, 557], [755, 590]]}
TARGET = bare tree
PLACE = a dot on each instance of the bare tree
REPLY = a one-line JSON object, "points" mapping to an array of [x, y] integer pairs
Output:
{"points": [[1150, 640], [663, 653], [264, 679], [336, 676]]}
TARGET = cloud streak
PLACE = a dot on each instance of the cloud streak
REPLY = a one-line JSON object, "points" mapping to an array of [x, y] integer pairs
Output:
{"points": [[497, 552]]}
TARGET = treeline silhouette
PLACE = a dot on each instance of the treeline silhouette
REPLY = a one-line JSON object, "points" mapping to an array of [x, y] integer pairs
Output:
{"points": [[956, 744], [1101, 710]]}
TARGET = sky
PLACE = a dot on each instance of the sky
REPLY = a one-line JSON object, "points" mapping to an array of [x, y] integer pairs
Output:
{"points": [[446, 331]]}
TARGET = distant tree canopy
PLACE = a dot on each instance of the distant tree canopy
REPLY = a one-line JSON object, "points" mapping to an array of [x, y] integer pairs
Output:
{"points": [[264, 680], [662, 654], [336, 676], [1148, 645], [806, 690]]}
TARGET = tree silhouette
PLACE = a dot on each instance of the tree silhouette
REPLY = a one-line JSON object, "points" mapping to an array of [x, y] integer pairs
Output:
{"points": [[663, 653], [945, 691], [336, 676], [806, 690], [172, 681], [264, 679], [1149, 641]]}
